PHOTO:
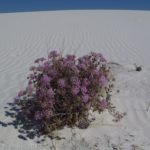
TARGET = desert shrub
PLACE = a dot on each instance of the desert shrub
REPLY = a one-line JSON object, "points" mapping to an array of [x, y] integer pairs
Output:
{"points": [[62, 90]]}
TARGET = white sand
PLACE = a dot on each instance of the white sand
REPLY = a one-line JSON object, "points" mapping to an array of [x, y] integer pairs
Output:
{"points": [[121, 36]]}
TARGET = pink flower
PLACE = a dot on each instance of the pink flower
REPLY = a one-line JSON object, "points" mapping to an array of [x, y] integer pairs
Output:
{"points": [[83, 89], [75, 81], [41, 67], [88, 106], [38, 115], [85, 82], [96, 72], [71, 57], [75, 90], [50, 93], [85, 98], [103, 80], [47, 114], [84, 60], [82, 66], [32, 76], [46, 66], [29, 89], [103, 104], [53, 54], [46, 79], [67, 63], [101, 57], [75, 69], [98, 56], [61, 83], [53, 72], [21, 93]]}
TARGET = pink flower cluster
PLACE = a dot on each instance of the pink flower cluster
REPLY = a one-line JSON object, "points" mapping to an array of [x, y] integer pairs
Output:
{"points": [[60, 81]]}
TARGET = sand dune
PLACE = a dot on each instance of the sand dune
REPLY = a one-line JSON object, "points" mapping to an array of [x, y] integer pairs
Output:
{"points": [[121, 36]]}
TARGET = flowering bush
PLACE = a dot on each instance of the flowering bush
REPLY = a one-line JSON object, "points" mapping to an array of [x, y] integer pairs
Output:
{"points": [[62, 90]]}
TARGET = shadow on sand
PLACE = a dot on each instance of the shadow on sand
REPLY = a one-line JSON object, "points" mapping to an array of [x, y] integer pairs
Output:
{"points": [[28, 129]]}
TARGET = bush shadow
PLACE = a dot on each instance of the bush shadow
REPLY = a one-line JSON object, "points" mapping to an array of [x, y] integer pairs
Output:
{"points": [[28, 129]]}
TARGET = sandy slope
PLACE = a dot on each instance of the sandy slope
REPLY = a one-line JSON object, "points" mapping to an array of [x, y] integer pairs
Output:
{"points": [[122, 36]]}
